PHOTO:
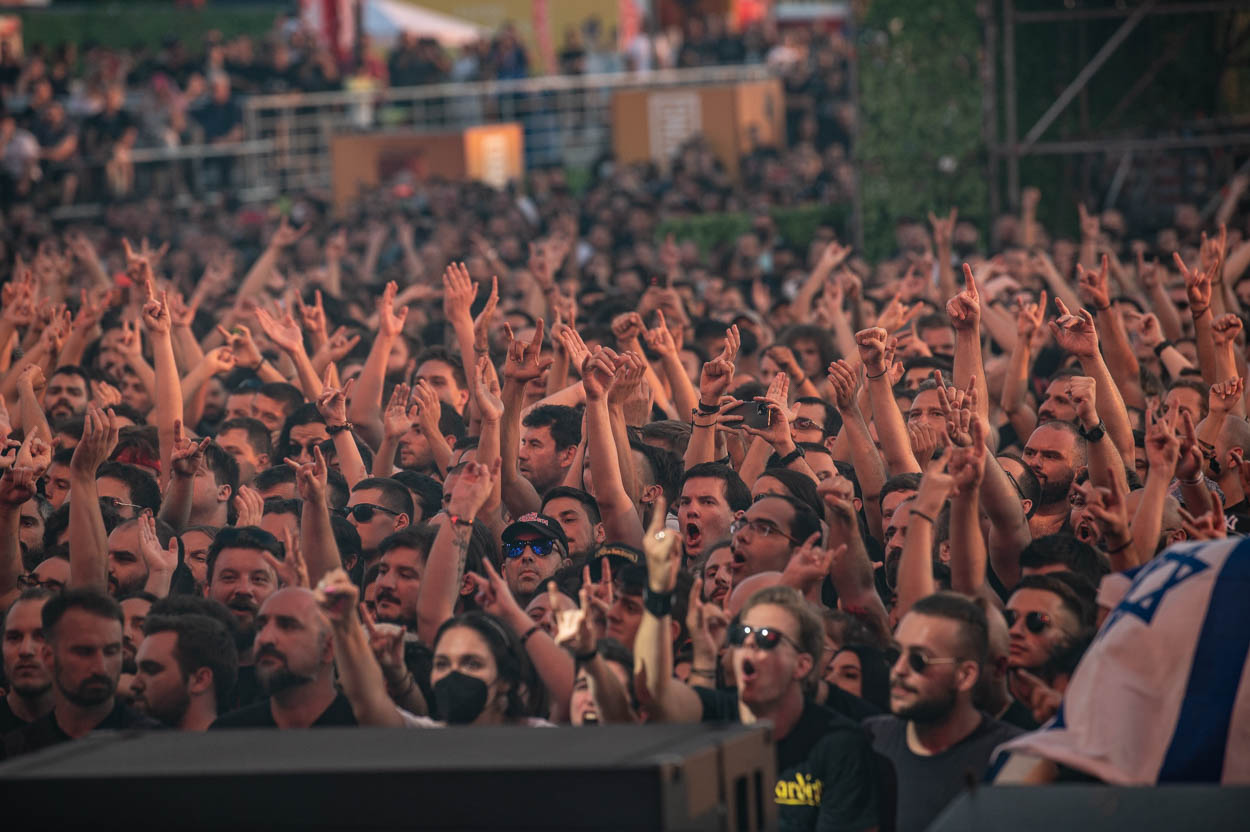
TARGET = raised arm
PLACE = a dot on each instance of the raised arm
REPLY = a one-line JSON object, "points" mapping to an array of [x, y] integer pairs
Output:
{"points": [[863, 451], [1162, 454], [359, 674], [714, 380], [891, 429], [524, 363], [1076, 334], [366, 406], [16, 487], [943, 237], [665, 699], [660, 340], [332, 405], [444, 567], [850, 570], [288, 337], [88, 539], [1113, 338], [964, 310], [620, 518], [1198, 289], [915, 568]]}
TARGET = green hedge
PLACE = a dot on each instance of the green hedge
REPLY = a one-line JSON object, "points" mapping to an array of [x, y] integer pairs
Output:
{"points": [[797, 226], [920, 110], [124, 24]]}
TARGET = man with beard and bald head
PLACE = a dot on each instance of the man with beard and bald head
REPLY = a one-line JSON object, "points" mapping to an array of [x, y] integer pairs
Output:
{"points": [[83, 648], [67, 393], [936, 738], [1054, 453], [128, 571], [186, 665], [30, 681], [295, 667], [241, 577]]}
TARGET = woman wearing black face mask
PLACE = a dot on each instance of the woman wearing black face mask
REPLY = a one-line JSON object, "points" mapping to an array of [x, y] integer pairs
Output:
{"points": [[481, 675]]}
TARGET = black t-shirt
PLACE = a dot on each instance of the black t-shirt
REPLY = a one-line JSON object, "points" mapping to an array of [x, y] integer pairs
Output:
{"points": [[927, 784], [259, 715], [1019, 716], [9, 721], [826, 778], [45, 731], [246, 690], [848, 704]]}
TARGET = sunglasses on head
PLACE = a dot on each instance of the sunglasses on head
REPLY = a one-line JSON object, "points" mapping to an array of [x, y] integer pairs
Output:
{"points": [[363, 512], [1034, 622], [540, 548], [766, 638], [919, 662]]}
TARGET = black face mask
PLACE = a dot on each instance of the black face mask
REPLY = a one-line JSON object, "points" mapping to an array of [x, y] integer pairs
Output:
{"points": [[459, 699]]}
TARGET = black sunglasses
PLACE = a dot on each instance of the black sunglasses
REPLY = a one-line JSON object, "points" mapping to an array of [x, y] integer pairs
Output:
{"points": [[1035, 622], [541, 548], [919, 662], [766, 638], [363, 512]]}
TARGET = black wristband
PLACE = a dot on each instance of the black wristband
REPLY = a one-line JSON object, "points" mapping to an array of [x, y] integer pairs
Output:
{"points": [[1161, 346], [529, 633], [337, 429], [658, 604], [791, 457], [582, 658], [707, 410], [878, 375]]}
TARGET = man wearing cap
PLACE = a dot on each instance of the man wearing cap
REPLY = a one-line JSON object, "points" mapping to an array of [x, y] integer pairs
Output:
{"points": [[534, 547]]}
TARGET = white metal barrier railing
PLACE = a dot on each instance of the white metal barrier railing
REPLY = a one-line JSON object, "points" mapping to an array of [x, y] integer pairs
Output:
{"points": [[566, 119]]}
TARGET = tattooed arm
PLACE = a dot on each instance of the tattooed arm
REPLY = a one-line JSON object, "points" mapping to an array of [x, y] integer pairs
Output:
{"points": [[444, 567]]}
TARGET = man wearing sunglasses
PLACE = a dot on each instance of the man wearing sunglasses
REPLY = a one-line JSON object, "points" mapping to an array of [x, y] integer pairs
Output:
{"points": [[826, 774], [534, 547], [1045, 618], [378, 507], [937, 738]]}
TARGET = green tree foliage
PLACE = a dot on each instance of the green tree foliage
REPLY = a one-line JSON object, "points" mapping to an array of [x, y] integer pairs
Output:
{"points": [[920, 146]]}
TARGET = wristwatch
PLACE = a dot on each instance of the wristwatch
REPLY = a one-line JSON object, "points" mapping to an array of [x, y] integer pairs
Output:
{"points": [[1094, 434], [797, 453]]}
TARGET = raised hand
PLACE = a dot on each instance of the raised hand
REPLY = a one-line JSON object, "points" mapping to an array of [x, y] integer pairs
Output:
{"points": [[481, 324], [1093, 286], [337, 596], [845, 382], [1075, 333], [1225, 329], [574, 628], [398, 418], [390, 321], [17, 486], [1082, 390], [598, 371], [627, 328], [161, 559], [967, 465], [1030, 316], [291, 570], [311, 478], [34, 454], [249, 506], [487, 388], [925, 442], [314, 316], [139, 265], [239, 340], [1163, 447], [332, 403], [99, 438], [525, 361], [219, 360], [627, 381], [157, 319], [337, 346], [473, 488], [1147, 271], [706, 622], [872, 350], [808, 566], [717, 374], [1149, 330], [1091, 224], [1225, 396], [387, 643], [284, 332], [897, 314], [572, 344], [832, 256], [1190, 461], [964, 309], [777, 431], [429, 408], [660, 547], [1109, 510], [943, 228], [186, 457], [459, 292], [1197, 286]]}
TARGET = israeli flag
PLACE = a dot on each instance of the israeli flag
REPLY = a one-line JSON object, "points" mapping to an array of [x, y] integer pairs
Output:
{"points": [[1163, 693]]}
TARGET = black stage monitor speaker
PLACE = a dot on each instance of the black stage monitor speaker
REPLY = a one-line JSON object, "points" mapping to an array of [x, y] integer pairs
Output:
{"points": [[1097, 808], [674, 777]]}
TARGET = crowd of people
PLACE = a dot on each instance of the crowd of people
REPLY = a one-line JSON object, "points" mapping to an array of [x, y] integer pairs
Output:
{"points": [[483, 457], [72, 116]]}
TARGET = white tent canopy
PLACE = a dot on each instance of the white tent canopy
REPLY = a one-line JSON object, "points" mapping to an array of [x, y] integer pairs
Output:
{"points": [[385, 20]]}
